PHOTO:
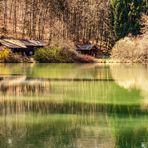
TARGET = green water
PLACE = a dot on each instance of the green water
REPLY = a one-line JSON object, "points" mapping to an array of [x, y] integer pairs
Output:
{"points": [[73, 106]]}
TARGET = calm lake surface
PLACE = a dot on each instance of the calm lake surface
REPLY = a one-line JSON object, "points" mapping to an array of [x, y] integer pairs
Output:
{"points": [[73, 106]]}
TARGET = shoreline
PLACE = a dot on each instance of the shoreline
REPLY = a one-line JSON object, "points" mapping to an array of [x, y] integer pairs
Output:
{"points": [[96, 61]]}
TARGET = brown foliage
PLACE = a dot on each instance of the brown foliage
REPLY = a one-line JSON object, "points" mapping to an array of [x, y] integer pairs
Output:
{"points": [[51, 20]]}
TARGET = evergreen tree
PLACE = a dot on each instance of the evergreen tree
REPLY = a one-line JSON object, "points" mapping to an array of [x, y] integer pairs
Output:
{"points": [[125, 16]]}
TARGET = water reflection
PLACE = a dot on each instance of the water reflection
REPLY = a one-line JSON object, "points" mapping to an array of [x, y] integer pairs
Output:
{"points": [[73, 106], [56, 70], [61, 131], [132, 77]]}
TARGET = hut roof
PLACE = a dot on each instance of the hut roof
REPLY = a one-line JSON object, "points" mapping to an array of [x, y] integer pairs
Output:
{"points": [[32, 43], [14, 43], [11, 43], [85, 47]]}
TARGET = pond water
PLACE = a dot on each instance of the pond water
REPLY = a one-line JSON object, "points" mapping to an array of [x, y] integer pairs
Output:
{"points": [[73, 106]]}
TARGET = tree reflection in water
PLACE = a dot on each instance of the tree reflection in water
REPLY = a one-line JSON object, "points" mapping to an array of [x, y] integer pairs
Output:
{"points": [[101, 106]]}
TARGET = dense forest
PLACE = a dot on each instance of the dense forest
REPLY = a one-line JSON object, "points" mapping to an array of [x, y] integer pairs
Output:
{"points": [[54, 20], [103, 21]]}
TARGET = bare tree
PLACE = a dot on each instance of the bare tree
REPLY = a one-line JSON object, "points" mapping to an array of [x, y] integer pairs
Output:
{"points": [[50, 20]]}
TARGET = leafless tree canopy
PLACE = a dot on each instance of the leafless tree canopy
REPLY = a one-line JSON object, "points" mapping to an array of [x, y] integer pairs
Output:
{"points": [[56, 19]]}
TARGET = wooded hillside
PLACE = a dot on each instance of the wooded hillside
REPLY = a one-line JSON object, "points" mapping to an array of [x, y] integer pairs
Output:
{"points": [[102, 21], [54, 20]]}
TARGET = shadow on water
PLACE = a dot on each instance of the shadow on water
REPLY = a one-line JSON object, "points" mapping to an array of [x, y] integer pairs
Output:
{"points": [[73, 106]]}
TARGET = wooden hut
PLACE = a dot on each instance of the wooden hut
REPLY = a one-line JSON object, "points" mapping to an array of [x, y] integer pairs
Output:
{"points": [[24, 47], [32, 45], [89, 49]]}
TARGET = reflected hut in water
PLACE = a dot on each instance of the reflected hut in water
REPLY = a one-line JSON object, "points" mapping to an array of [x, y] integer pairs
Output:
{"points": [[21, 85]]}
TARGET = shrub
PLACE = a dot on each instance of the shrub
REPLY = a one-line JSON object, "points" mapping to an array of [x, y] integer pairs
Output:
{"points": [[13, 58], [67, 55], [85, 59], [4, 53], [17, 58], [7, 56], [61, 55], [52, 55], [44, 55], [133, 49]]}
